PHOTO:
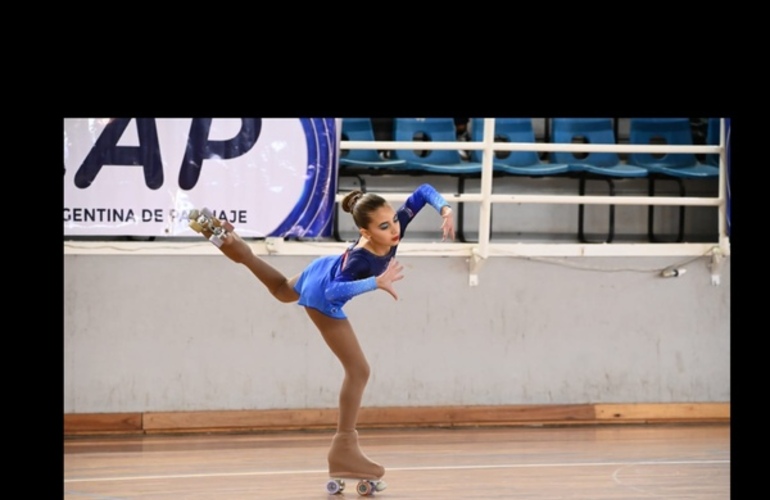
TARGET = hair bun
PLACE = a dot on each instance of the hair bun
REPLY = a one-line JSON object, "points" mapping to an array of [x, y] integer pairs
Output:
{"points": [[350, 200]]}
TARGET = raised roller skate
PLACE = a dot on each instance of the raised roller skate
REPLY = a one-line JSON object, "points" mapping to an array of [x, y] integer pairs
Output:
{"points": [[347, 461], [203, 221]]}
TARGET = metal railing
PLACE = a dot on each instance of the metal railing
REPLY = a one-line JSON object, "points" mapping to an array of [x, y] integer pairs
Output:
{"points": [[484, 248]]}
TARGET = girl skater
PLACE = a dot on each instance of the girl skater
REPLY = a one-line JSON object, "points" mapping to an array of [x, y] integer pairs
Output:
{"points": [[327, 284]]}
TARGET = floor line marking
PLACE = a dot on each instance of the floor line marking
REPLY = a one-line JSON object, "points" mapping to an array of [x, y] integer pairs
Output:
{"points": [[426, 468]]}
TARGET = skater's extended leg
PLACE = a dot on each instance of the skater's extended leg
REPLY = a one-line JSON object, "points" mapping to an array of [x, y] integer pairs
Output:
{"points": [[279, 285], [345, 456], [239, 251]]}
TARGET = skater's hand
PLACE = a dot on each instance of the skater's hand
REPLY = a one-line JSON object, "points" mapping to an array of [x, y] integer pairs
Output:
{"points": [[448, 226], [389, 275]]}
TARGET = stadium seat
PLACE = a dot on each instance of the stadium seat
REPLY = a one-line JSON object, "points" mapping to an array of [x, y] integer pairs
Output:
{"points": [[526, 163], [669, 166], [596, 165], [364, 160], [712, 139], [360, 162]]}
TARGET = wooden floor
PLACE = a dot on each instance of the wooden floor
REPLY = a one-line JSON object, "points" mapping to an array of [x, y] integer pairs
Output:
{"points": [[618, 462]]}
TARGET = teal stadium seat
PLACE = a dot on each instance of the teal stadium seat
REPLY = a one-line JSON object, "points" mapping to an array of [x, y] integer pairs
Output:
{"points": [[596, 165], [712, 139], [437, 161], [526, 163], [360, 162], [364, 160], [515, 163], [670, 166]]}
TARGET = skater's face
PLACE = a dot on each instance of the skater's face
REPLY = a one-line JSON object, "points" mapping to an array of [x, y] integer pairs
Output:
{"points": [[384, 228]]}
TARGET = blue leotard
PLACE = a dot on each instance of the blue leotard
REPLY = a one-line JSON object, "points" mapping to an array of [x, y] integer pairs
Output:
{"points": [[332, 280]]}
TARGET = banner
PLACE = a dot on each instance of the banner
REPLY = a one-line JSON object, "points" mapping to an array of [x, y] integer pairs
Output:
{"points": [[142, 176]]}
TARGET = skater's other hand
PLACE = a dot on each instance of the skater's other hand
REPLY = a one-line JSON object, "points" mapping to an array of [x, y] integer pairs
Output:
{"points": [[391, 274], [448, 225]]}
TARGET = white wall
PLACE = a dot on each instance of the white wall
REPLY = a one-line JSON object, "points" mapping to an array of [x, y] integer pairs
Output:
{"points": [[175, 332]]}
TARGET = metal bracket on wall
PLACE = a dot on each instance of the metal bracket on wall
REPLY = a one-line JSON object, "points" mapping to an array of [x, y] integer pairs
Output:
{"points": [[475, 261], [716, 265]]}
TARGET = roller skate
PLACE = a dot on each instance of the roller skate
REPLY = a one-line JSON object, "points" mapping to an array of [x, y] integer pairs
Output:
{"points": [[203, 221], [221, 233], [347, 461]]}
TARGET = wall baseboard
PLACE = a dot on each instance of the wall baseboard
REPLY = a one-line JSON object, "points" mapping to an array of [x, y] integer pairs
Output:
{"points": [[81, 424]]}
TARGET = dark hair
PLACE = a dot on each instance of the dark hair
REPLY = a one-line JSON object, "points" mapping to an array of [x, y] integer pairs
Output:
{"points": [[361, 205]]}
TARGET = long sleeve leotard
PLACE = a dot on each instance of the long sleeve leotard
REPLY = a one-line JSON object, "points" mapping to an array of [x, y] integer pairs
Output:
{"points": [[331, 281]]}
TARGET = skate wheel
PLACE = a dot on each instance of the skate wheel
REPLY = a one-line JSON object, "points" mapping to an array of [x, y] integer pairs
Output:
{"points": [[211, 221], [194, 214], [365, 488], [380, 485], [334, 486]]}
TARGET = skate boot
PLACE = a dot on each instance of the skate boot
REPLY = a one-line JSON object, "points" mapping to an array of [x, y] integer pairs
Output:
{"points": [[347, 461], [204, 222], [220, 233]]}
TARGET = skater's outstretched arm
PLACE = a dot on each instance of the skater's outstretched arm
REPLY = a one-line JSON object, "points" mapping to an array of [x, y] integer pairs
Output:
{"points": [[427, 194]]}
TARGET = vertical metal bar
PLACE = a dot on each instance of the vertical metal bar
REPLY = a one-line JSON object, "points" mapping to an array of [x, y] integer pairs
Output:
{"points": [[485, 210], [724, 239]]}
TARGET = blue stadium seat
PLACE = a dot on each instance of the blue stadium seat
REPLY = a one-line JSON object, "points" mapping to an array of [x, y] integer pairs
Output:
{"points": [[712, 139], [438, 161], [526, 163], [364, 160], [515, 163], [359, 162], [595, 165], [670, 166]]}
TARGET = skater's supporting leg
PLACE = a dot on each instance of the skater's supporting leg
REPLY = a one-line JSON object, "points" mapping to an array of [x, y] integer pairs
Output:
{"points": [[340, 337], [345, 456], [347, 460]]}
